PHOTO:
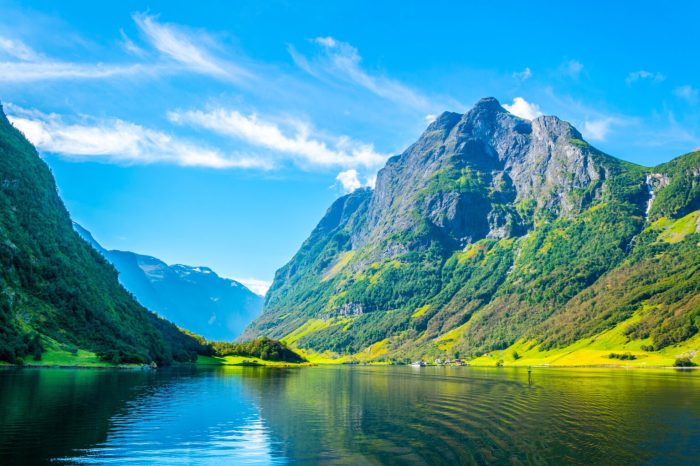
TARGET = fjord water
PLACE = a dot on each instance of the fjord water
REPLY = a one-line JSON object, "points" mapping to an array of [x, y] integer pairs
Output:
{"points": [[350, 415]]}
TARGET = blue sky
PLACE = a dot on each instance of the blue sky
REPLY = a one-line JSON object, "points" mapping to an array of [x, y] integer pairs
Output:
{"points": [[217, 133]]}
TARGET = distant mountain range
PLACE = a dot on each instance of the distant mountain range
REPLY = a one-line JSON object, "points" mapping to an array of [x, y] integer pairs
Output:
{"points": [[57, 294], [195, 298], [493, 234]]}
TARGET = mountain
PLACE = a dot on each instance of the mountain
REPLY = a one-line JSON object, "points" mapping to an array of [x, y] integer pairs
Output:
{"points": [[493, 232], [195, 298], [56, 292]]}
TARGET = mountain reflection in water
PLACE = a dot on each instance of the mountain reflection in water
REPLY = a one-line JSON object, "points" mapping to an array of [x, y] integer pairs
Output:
{"points": [[350, 415]]}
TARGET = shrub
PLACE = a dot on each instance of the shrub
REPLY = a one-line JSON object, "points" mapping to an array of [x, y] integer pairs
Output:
{"points": [[35, 347], [623, 356], [263, 348], [684, 362]]}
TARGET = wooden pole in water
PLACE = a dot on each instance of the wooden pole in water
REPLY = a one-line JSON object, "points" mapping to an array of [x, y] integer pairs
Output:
{"points": [[529, 375]]}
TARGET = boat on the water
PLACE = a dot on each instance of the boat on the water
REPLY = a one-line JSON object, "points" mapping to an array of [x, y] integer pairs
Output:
{"points": [[418, 364]]}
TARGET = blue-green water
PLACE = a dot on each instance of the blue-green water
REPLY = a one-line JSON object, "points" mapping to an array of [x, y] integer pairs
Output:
{"points": [[350, 415]]}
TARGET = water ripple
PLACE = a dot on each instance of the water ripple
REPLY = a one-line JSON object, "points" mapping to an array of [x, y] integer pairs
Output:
{"points": [[349, 415]]}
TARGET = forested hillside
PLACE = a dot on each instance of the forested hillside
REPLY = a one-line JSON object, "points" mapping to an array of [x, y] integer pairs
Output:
{"points": [[57, 292]]}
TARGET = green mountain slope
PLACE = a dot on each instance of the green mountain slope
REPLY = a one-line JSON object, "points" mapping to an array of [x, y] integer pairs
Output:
{"points": [[55, 290], [492, 230]]}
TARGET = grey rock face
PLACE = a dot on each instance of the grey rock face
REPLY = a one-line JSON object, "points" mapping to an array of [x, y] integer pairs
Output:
{"points": [[466, 174]]}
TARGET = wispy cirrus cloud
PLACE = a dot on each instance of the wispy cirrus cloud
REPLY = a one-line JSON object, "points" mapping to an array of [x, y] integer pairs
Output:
{"points": [[523, 75], [645, 75], [599, 129], [47, 71], [672, 133], [341, 61], [178, 50], [572, 68], [27, 65], [119, 141], [130, 46], [295, 140], [687, 93], [15, 48], [187, 48]]}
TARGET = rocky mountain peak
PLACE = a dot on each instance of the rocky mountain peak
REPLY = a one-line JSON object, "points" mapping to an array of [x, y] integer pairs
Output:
{"points": [[445, 122], [467, 173], [554, 128], [488, 104]]}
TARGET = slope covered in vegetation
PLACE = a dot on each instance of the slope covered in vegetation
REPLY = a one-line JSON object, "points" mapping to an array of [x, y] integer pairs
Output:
{"points": [[491, 231], [56, 291]]}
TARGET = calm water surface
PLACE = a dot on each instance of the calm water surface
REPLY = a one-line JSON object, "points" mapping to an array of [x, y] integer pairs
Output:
{"points": [[349, 415]]}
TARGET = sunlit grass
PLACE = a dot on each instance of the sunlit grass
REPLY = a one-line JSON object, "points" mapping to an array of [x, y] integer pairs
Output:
{"points": [[80, 358], [420, 311], [594, 351], [674, 231], [446, 341], [341, 261], [311, 325]]}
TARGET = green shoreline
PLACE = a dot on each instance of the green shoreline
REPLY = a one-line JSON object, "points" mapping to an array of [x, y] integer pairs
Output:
{"points": [[278, 364], [593, 353], [202, 361]]}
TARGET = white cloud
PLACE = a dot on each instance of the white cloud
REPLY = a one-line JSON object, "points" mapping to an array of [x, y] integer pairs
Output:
{"points": [[598, 130], [573, 68], [523, 75], [130, 46], [341, 61], [29, 66], [686, 92], [349, 179], [326, 41], [523, 109], [181, 46], [295, 142], [371, 181], [118, 141], [430, 118], [17, 49], [255, 285], [42, 71], [301, 61], [643, 74], [182, 49]]}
